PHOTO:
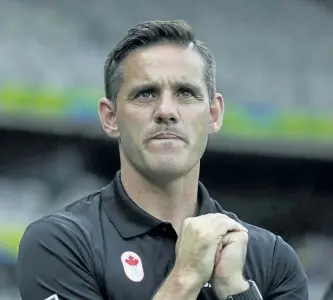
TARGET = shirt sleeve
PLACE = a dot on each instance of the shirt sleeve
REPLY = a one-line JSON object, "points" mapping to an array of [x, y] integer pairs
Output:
{"points": [[54, 264], [289, 281]]}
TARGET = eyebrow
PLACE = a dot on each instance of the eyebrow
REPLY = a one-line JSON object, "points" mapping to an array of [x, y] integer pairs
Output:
{"points": [[188, 85], [156, 86], [143, 87]]}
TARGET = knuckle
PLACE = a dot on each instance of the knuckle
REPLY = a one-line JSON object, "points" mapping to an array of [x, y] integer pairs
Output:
{"points": [[212, 215], [224, 217], [192, 224], [204, 239], [207, 217], [243, 235], [226, 221], [187, 221]]}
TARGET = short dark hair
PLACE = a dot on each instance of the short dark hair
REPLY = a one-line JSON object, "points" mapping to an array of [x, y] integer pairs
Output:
{"points": [[151, 33]]}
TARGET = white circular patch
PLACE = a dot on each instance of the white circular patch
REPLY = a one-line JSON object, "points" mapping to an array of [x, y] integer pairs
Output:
{"points": [[132, 265]]}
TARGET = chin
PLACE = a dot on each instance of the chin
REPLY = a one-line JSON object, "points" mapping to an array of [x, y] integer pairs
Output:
{"points": [[169, 168]]}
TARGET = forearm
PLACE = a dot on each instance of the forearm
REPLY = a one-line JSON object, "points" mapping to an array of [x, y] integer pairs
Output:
{"points": [[234, 287], [178, 287]]}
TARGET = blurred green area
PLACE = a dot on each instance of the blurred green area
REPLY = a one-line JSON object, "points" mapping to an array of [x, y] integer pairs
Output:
{"points": [[253, 121], [10, 237]]}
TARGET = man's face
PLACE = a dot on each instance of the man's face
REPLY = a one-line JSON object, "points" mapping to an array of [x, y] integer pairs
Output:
{"points": [[163, 112]]}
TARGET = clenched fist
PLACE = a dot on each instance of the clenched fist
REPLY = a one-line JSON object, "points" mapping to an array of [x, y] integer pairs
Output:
{"points": [[230, 258], [213, 247]]}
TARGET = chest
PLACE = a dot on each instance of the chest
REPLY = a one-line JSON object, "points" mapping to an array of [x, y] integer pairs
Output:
{"points": [[137, 268]]}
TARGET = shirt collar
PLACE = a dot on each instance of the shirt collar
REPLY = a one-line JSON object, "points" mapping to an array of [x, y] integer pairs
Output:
{"points": [[130, 220]]}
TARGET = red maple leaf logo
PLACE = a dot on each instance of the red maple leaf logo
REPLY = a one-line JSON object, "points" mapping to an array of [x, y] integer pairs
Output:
{"points": [[131, 261]]}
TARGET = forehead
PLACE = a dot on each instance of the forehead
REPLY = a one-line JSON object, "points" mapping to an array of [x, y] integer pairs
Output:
{"points": [[163, 64]]}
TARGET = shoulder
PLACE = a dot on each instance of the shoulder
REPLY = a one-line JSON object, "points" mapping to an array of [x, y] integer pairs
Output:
{"points": [[258, 237], [56, 255], [264, 240], [71, 226]]}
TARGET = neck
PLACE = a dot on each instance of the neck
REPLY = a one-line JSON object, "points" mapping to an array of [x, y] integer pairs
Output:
{"points": [[173, 202]]}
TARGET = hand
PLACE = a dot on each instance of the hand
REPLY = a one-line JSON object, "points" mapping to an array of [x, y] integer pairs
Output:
{"points": [[197, 246], [230, 258]]}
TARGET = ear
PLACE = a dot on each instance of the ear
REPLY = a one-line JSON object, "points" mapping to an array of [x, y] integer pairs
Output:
{"points": [[107, 117], [216, 113]]}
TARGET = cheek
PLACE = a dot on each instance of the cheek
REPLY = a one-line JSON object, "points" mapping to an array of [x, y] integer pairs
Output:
{"points": [[130, 130], [200, 126]]}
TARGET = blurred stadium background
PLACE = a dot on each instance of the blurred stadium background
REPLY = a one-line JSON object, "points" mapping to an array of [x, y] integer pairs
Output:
{"points": [[272, 163]]}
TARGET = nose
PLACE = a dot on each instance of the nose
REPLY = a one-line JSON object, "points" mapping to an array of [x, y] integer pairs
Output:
{"points": [[166, 110]]}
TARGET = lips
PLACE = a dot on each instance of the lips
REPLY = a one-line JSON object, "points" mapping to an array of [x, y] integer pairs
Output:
{"points": [[166, 136]]}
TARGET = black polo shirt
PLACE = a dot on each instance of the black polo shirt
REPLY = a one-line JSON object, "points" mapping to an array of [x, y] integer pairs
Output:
{"points": [[104, 246]]}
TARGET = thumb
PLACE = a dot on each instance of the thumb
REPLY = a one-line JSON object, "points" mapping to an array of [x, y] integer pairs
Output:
{"points": [[233, 237], [218, 253]]}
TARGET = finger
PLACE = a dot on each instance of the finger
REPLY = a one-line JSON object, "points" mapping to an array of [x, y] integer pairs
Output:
{"points": [[223, 219], [240, 227], [229, 225], [218, 253], [237, 225], [235, 237]]}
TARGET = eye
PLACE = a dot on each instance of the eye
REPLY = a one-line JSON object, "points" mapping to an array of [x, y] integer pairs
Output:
{"points": [[185, 93], [146, 94]]}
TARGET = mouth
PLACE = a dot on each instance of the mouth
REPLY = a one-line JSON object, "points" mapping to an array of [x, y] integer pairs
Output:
{"points": [[166, 136]]}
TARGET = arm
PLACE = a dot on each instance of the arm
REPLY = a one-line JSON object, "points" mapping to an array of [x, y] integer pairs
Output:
{"points": [[54, 263], [288, 279], [178, 286]]}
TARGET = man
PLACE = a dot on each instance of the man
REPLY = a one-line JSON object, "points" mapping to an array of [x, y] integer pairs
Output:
{"points": [[154, 232]]}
